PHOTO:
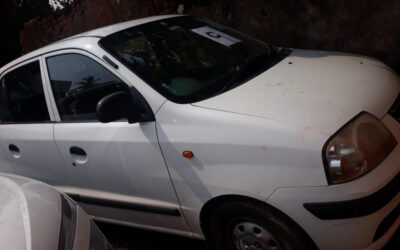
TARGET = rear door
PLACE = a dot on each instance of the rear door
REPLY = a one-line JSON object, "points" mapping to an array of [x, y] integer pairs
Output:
{"points": [[26, 128], [118, 167]]}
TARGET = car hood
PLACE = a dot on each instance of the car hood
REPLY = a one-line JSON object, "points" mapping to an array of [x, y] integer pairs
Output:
{"points": [[30, 214], [314, 89]]}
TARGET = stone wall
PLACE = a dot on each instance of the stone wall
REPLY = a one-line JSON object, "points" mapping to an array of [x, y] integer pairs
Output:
{"points": [[360, 26]]}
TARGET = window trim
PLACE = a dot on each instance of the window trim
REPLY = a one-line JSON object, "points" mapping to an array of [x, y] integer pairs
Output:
{"points": [[57, 117], [48, 104]]}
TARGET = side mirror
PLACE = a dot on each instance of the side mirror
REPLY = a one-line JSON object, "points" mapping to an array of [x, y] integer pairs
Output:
{"points": [[115, 106], [121, 104]]}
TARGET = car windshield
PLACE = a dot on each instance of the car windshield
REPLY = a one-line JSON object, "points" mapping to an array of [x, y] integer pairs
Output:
{"points": [[187, 59]]}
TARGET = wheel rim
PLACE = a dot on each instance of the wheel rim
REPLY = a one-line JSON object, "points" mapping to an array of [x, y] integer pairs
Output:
{"points": [[251, 236]]}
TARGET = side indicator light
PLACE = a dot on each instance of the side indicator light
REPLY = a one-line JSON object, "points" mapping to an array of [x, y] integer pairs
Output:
{"points": [[187, 154]]}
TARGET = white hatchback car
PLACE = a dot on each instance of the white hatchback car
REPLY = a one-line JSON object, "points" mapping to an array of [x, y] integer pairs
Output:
{"points": [[34, 216], [181, 125]]}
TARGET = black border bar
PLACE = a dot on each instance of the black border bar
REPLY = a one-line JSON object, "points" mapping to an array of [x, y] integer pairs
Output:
{"points": [[355, 208], [125, 205], [387, 223]]}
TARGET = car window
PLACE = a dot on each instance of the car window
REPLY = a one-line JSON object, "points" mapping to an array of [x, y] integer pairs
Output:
{"points": [[79, 83], [22, 96], [187, 59]]}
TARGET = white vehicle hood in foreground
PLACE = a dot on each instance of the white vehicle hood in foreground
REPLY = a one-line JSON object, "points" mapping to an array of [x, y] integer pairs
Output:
{"points": [[314, 89], [30, 214]]}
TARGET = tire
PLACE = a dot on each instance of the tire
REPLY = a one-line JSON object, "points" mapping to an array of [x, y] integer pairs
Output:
{"points": [[237, 225]]}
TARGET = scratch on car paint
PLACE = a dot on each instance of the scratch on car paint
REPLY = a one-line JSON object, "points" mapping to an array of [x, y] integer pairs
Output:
{"points": [[300, 134]]}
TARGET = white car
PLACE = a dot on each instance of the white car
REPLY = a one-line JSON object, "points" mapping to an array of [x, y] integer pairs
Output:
{"points": [[34, 215], [180, 125]]}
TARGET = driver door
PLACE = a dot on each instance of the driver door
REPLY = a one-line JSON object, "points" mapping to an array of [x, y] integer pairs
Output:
{"points": [[117, 168]]}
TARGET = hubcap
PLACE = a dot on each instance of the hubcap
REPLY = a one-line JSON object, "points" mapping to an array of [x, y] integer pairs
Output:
{"points": [[251, 236]]}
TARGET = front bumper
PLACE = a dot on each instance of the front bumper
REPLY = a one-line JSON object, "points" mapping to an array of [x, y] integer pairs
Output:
{"points": [[352, 225]]}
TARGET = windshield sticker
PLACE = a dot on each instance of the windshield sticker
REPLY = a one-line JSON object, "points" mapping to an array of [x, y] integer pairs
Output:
{"points": [[216, 35]]}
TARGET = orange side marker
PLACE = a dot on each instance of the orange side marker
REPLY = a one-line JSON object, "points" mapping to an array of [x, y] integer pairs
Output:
{"points": [[187, 154]]}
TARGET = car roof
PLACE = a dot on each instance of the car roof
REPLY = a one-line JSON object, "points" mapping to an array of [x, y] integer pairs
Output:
{"points": [[108, 30], [94, 34]]}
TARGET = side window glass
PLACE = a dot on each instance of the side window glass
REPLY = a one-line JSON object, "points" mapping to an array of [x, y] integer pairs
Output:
{"points": [[78, 84], [22, 97]]}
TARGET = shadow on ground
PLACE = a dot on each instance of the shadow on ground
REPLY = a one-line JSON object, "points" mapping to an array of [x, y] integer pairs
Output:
{"points": [[124, 238]]}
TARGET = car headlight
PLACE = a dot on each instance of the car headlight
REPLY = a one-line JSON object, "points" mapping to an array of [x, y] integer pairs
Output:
{"points": [[357, 148]]}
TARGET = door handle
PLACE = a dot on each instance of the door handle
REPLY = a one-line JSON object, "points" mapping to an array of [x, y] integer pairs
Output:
{"points": [[77, 151], [14, 150], [78, 155]]}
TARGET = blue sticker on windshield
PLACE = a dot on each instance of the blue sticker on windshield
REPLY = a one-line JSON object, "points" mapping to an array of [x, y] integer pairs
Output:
{"points": [[216, 35]]}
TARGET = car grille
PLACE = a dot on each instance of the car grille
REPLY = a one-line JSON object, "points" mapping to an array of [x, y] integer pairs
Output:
{"points": [[395, 109]]}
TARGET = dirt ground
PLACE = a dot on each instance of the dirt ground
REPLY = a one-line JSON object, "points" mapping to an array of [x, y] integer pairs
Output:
{"points": [[125, 238]]}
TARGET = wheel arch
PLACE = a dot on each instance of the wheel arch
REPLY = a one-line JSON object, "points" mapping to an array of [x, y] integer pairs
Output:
{"points": [[210, 206]]}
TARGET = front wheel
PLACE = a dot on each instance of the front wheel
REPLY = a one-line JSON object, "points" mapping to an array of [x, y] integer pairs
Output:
{"points": [[247, 226]]}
